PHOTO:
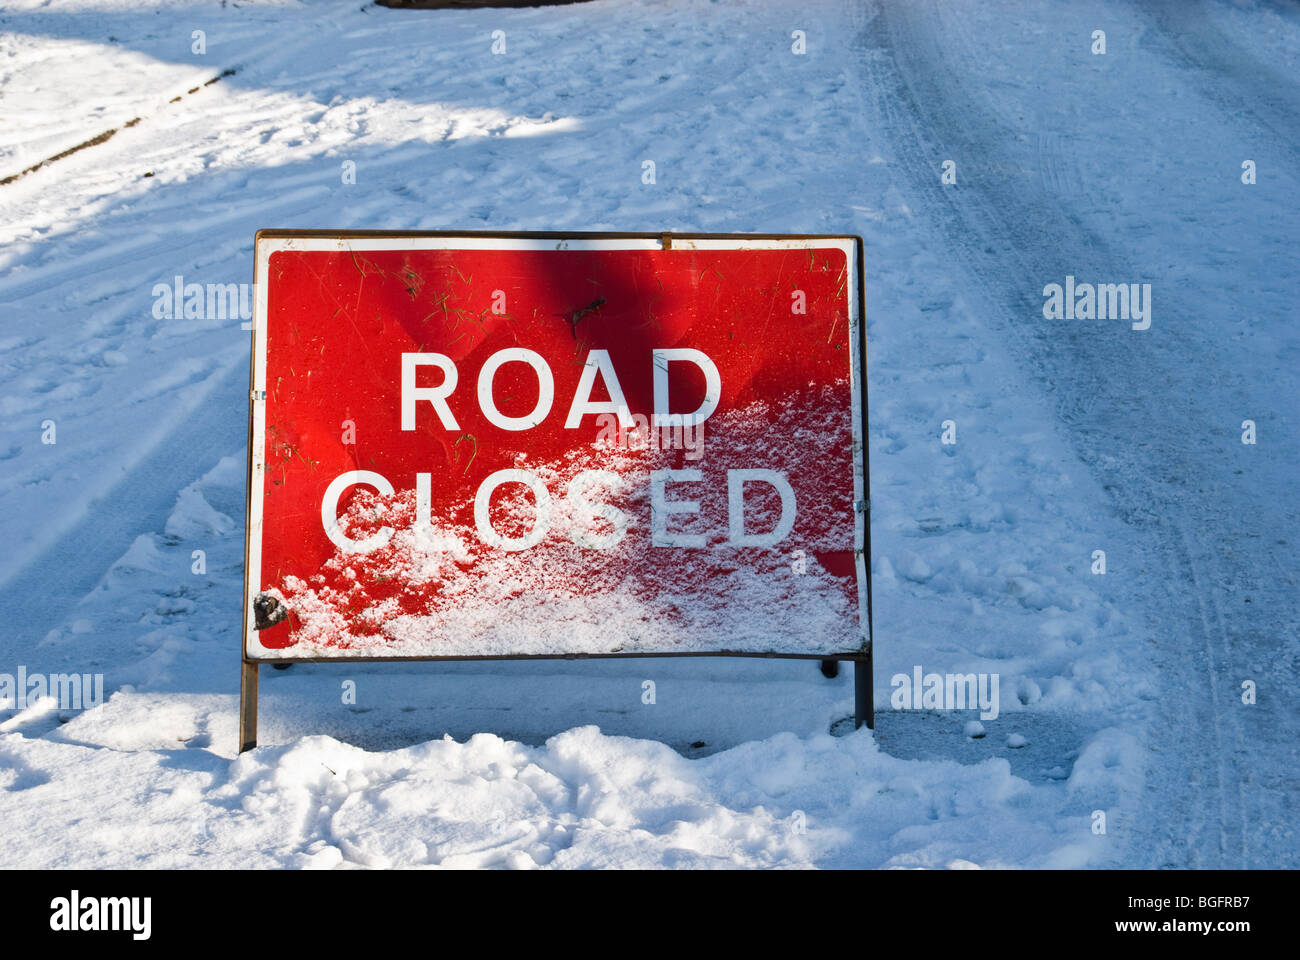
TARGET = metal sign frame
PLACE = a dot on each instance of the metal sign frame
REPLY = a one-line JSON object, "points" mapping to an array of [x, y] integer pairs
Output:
{"points": [[481, 239]]}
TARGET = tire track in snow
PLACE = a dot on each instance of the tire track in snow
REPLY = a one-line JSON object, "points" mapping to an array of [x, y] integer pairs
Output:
{"points": [[1111, 391], [1226, 72], [106, 135], [1265, 102]]}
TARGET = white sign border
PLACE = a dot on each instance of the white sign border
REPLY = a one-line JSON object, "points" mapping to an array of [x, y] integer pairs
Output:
{"points": [[276, 241]]}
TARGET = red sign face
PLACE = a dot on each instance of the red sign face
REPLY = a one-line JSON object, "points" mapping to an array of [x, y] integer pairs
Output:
{"points": [[468, 446]]}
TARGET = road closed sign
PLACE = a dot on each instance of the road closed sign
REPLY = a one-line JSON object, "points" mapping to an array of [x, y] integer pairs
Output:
{"points": [[521, 445]]}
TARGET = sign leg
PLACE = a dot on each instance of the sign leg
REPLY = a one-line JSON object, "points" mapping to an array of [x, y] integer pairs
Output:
{"points": [[248, 706], [864, 710]]}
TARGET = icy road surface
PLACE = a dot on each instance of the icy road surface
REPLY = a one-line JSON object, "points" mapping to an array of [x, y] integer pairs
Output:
{"points": [[1121, 693]]}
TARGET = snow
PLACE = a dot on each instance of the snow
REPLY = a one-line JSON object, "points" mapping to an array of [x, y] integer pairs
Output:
{"points": [[1120, 692], [582, 799]]}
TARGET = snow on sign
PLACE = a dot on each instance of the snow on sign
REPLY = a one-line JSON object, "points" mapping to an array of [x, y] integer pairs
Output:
{"points": [[525, 445]]}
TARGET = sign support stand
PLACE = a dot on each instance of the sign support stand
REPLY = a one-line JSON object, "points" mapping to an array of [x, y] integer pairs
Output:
{"points": [[303, 242], [863, 694], [247, 706]]}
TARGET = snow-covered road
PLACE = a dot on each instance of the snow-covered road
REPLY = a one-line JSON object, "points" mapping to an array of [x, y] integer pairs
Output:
{"points": [[1127, 167], [1072, 435]]}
